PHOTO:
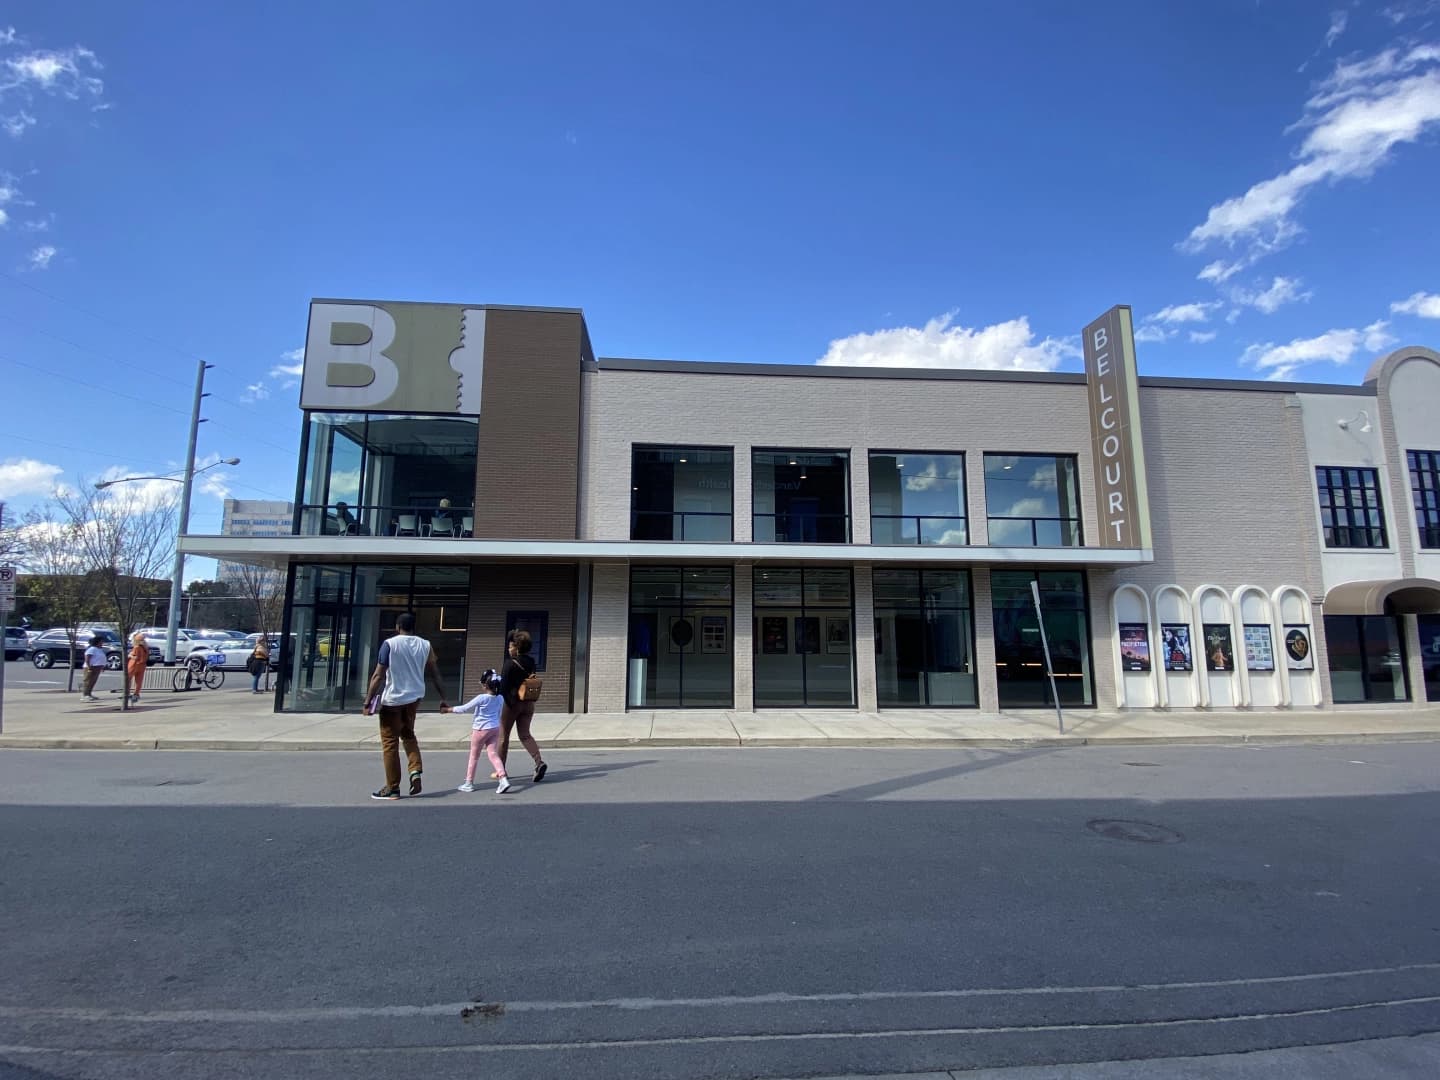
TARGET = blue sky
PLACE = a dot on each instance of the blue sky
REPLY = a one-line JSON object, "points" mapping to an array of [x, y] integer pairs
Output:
{"points": [[917, 183]]}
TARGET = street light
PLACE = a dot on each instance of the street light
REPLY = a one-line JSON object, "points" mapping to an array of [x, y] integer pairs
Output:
{"points": [[172, 626], [101, 485]]}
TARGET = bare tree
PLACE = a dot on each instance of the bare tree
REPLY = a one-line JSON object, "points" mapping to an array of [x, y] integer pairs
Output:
{"points": [[127, 535], [59, 575], [264, 587]]}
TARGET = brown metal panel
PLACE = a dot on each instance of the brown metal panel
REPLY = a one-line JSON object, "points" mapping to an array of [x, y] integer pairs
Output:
{"points": [[527, 482]]}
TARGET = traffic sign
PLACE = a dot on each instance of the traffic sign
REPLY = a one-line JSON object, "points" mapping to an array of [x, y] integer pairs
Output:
{"points": [[7, 586]]}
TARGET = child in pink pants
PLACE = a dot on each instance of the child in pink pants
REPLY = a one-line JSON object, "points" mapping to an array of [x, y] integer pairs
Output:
{"points": [[484, 729]]}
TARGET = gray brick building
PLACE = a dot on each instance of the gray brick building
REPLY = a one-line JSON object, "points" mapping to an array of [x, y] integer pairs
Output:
{"points": [[738, 536]]}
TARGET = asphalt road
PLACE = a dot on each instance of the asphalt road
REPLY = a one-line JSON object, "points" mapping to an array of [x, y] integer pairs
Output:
{"points": [[717, 913]]}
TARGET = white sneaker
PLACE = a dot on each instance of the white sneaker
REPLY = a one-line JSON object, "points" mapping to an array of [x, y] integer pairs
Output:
{"points": [[503, 786], [466, 786], [89, 697]]}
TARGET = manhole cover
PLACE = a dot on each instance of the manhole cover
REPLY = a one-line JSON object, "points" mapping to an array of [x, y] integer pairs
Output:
{"points": [[1141, 832]]}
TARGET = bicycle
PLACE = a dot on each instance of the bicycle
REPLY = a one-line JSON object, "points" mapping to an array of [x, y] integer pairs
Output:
{"points": [[204, 670]]}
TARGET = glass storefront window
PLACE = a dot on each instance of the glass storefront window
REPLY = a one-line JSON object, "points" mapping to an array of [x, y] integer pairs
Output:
{"points": [[924, 638], [681, 493], [1366, 658], [803, 637], [370, 474], [801, 496], [917, 498], [1019, 659], [1430, 654], [339, 615], [1032, 500], [682, 627]]}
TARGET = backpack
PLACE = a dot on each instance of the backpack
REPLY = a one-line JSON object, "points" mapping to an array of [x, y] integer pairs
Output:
{"points": [[529, 688]]}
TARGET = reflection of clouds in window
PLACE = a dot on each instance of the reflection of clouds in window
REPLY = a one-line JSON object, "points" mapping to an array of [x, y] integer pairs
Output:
{"points": [[344, 480], [1004, 533], [927, 474], [1029, 508], [954, 536], [1044, 478]]}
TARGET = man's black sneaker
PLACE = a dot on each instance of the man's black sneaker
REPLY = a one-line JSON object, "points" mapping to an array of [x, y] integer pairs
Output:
{"points": [[414, 783], [389, 794], [540, 772]]}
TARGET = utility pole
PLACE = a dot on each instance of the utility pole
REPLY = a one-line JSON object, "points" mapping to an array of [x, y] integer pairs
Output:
{"points": [[173, 625]]}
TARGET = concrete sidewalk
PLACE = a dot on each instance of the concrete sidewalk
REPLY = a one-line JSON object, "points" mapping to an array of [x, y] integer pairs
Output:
{"points": [[235, 719]]}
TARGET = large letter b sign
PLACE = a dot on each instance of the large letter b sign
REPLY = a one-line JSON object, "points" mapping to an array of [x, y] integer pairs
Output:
{"points": [[345, 362]]}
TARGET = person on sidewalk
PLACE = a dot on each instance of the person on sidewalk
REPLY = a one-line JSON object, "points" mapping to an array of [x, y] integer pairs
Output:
{"points": [[94, 665], [404, 664], [519, 665], [484, 730], [139, 657], [259, 661]]}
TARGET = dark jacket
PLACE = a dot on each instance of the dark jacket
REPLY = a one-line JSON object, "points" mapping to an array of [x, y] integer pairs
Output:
{"points": [[513, 672]]}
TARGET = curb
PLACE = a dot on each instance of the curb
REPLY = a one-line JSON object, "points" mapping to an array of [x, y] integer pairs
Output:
{"points": [[27, 742]]}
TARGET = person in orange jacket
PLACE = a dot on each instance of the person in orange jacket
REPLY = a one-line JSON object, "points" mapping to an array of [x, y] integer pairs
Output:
{"points": [[139, 656]]}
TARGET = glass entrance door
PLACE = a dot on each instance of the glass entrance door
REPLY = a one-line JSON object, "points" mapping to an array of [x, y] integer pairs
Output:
{"points": [[1367, 658], [1019, 660]]}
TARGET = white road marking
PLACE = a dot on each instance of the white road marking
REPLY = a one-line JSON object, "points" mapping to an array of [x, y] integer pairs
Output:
{"points": [[700, 1040], [361, 1012]]}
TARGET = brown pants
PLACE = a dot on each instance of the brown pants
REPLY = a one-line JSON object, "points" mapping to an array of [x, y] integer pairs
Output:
{"points": [[397, 725], [87, 684], [518, 716]]}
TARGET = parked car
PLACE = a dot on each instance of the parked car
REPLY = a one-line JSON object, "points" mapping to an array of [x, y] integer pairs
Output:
{"points": [[51, 648], [16, 642], [237, 653], [185, 641]]}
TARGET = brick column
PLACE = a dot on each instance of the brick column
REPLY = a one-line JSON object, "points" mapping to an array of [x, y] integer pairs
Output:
{"points": [[864, 639], [984, 640], [609, 635], [742, 641], [860, 497], [743, 500]]}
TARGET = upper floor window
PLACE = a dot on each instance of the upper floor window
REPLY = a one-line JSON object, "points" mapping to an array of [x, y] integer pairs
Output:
{"points": [[1351, 512], [917, 498], [380, 475], [681, 493], [801, 496], [1032, 500], [1425, 490]]}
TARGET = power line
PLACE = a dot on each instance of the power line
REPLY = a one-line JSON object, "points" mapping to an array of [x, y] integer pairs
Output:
{"points": [[169, 378], [113, 393]]}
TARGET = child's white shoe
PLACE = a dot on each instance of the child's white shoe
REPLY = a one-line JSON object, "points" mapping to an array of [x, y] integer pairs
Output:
{"points": [[503, 786], [466, 786]]}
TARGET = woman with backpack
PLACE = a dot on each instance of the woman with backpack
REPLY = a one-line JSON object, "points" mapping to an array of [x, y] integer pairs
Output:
{"points": [[519, 699], [258, 663]]}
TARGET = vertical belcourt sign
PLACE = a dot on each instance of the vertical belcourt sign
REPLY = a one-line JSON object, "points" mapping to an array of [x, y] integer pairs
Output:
{"points": [[1121, 500]]}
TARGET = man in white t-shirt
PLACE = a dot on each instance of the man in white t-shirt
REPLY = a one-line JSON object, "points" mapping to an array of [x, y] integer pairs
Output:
{"points": [[402, 667], [94, 665]]}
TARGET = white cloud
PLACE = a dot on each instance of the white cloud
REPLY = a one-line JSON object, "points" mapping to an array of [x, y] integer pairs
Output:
{"points": [[1426, 305], [1154, 334], [1201, 337], [1336, 346], [1282, 291], [1183, 313], [255, 392], [1006, 346], [1338, 19], [68, 72], [26, 476], [41, 256], [7, 36], [1232, 316], [16, 123], [1355, 118]]}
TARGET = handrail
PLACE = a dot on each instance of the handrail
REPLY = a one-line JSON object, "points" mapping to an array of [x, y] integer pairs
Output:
{"points": [[1079, 538], [919, 531], [803, 519]]}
